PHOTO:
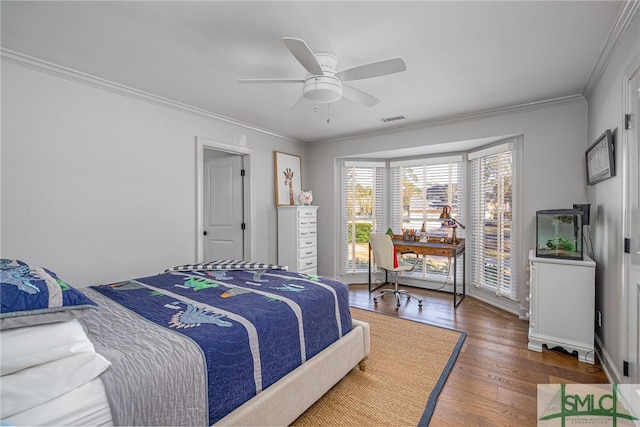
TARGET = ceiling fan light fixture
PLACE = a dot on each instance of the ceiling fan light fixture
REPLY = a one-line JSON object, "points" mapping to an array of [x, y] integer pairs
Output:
{"points": [[323, 84], [322, 89]]}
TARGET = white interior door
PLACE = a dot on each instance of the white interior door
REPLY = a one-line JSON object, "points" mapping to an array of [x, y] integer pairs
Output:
{"points": [[223, 210]]}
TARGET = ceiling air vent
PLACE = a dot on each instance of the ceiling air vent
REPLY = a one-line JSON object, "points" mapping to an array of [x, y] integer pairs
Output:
{"points": [[392, 119]]}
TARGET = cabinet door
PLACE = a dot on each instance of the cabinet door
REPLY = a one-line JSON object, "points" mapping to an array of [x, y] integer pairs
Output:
{"points": [[565, 302]]}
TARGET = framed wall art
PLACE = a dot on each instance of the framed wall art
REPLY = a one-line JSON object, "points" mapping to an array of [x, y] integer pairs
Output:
{"points": [[600, 159], [287, 178]]}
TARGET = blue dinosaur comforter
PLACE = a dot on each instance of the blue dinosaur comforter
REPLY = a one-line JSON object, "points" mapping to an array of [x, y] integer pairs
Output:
{"points": [[253, 326]]}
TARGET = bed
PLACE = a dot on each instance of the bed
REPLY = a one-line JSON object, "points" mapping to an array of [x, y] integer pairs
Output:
{"points": [[225, 342]]}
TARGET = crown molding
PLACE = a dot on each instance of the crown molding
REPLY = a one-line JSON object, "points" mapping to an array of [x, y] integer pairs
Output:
{"points": [[35, 64], [55, 70], [627, 12], [462, 118]]}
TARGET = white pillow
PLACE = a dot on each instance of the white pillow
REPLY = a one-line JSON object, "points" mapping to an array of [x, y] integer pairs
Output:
{"points": [[34, 345], [34, 386]]}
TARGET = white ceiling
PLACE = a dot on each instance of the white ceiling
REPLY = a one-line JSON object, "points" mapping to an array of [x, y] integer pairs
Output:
{"points": [[462, 57]]}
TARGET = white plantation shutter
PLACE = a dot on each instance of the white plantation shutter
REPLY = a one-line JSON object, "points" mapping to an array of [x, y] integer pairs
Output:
{"points": [[420, 188], [363, 204], [491, 248]]}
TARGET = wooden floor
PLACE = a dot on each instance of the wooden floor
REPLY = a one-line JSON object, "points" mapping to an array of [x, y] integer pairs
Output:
{"points": [[494, 380]]}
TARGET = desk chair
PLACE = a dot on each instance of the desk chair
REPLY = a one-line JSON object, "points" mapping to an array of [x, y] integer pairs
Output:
{"points": [[384, 254]]}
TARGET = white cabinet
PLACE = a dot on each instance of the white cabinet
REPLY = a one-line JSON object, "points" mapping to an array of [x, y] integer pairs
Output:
{"points": [[298, 238], [562, 305]]}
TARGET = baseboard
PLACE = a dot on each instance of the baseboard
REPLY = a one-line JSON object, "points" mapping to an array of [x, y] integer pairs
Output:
{"points": [[505, 304], [608, 365]]}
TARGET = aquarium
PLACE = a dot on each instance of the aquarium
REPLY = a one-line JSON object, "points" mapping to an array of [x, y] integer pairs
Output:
{"points": [[559, 233]]}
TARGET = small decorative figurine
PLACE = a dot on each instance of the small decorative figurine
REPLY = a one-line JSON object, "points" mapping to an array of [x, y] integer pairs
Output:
{"points": [[305, 197]]}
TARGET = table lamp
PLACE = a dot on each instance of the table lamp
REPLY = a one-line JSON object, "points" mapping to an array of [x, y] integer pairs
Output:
{"points": [[446, 215]]}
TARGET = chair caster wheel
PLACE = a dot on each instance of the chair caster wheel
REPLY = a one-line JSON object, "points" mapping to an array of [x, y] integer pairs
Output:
{"points": [[375, 300]]}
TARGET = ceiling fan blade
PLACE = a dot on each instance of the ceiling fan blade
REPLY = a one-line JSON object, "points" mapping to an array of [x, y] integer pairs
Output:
{"points": [[304, 55], [270, 81], [358, 96], [373, 69]]}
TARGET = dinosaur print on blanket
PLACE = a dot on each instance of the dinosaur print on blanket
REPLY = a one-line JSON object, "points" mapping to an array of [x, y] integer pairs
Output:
{"points": [[194, 316], [19, 276]]}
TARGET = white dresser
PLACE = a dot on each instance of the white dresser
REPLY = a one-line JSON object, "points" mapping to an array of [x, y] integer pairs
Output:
{"points": [[562, 305], [298, 238]]}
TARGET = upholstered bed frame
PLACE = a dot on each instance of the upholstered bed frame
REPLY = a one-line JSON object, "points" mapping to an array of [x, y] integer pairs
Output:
{"points": [[287, 399]]}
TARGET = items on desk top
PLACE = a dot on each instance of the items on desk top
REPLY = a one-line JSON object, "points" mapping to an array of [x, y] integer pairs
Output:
{"points": [[414, 235], [410, 234]]}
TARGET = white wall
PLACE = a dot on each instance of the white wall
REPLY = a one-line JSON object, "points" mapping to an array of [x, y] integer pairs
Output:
{"points": [[553, 165], [606, 198], [99, 186]]}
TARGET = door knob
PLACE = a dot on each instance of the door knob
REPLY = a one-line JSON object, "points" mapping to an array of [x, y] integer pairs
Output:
{"points": [[205, 232]]}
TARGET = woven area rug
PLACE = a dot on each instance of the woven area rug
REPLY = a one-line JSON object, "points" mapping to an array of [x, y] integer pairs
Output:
{"points": [[406, 369]]}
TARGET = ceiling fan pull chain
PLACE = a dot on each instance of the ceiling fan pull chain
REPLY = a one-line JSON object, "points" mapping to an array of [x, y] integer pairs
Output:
{"points": [[328, 116], [316, 108]]}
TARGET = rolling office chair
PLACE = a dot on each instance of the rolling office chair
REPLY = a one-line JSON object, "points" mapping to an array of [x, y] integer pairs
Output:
{"points": [[384, 254]]}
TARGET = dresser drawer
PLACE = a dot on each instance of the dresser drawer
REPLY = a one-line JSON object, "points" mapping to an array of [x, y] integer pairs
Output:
{"points": [[307, 263], [306, 213], [307, 222], [305, 233], [307, 252], [307, 243]]}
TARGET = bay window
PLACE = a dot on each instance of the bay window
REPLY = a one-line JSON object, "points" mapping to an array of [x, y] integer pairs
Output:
{"points": [[411, 194]]}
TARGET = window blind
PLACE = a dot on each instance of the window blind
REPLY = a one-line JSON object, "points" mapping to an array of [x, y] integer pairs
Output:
{"points": [[419, 191], [491, 247], [363, 211]]}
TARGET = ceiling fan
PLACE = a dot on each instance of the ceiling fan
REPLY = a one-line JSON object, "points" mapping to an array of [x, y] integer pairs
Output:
{"points": [[323, 84]]}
